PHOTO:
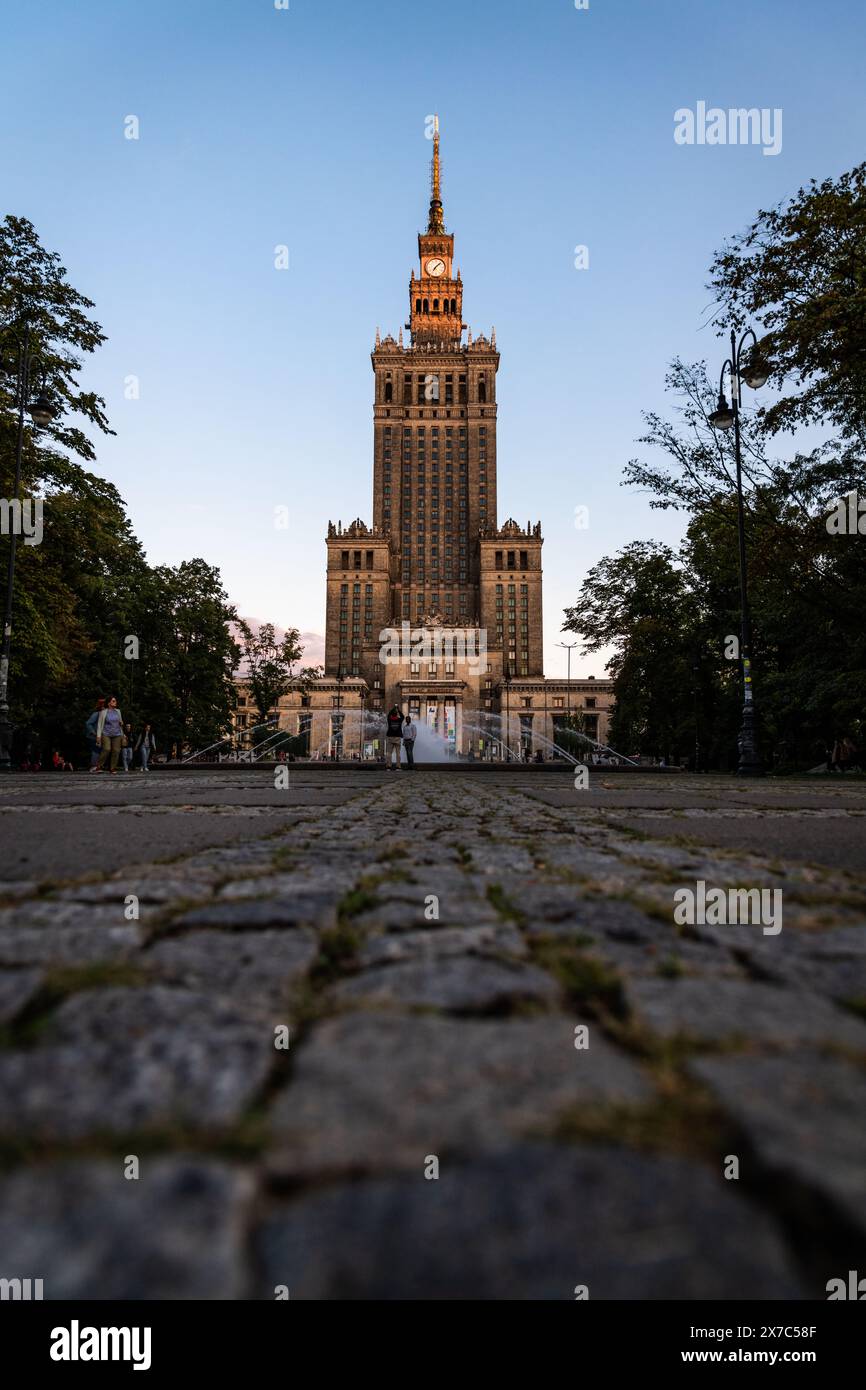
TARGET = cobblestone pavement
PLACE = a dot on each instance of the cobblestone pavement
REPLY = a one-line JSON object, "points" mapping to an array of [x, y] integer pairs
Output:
{"points": [[479, 975]]}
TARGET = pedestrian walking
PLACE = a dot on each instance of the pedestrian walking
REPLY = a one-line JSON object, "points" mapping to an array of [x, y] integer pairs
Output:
{"points": [[410, 733], [848, 760], [90, 733], [127, 748], [394, 734], [109, 732], [145, 747]]}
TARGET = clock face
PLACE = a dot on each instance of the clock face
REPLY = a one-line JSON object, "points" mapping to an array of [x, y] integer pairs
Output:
{"points": [[435, 266]]}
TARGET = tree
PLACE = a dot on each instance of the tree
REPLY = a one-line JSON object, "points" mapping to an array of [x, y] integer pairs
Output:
{"points": [[188, 655], [569, 730], [76, 597], [34, 289], [674, 619], [90, 617], [268, 663], [640, 603], [88, 560], [800, 270], [806, 589]]}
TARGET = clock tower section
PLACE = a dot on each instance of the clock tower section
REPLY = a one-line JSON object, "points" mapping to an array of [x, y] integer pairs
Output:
{"points": [[435, 295]]}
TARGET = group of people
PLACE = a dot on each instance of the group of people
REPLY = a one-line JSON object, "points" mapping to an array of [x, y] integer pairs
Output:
{"points": [[113, 741], [400, 733]]}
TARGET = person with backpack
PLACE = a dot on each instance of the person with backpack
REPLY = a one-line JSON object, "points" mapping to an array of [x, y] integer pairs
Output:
{"points": [[394, 734]]}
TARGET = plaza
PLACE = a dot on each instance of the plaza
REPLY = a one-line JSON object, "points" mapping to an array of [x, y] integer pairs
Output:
{"points": [[583, 1069]]}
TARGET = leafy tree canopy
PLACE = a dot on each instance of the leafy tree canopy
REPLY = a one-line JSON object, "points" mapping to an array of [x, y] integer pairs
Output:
{"points": [[800, 270]]}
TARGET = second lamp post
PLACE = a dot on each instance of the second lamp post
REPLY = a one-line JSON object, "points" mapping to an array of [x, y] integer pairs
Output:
{"points": [[753, 372]]}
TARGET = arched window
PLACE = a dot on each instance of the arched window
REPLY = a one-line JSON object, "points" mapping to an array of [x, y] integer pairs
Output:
{"points": [[435, 306], [426, 306], [388, 391], [454, 306], [417, 306], [482, 389]]}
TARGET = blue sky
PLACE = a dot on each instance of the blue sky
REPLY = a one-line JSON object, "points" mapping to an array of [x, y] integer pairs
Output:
{"points": [[304, 127]]}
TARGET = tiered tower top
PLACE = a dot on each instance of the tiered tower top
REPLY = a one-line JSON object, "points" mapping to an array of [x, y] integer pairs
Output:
{"points": [[436, 294]]}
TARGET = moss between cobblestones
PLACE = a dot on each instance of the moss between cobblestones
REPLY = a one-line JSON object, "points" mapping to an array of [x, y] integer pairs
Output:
{"points": [[683, 1120], [498, 899], [47, 886], [339, 945], [245, 1140], [356, 901], [59, 984], [338, 949], [660, 873], [589, 983], [652, 908], [670, 968]]}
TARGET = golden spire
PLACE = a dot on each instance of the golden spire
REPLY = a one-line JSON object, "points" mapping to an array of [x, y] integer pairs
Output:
{"points": [[435, 222], [436, 169]]}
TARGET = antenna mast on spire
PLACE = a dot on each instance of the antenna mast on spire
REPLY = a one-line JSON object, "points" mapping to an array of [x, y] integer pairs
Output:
{"points": [[436, 222], [436, 171]]}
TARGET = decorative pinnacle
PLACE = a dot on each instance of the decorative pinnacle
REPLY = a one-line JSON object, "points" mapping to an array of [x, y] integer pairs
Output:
{"points": [[436, 222]]}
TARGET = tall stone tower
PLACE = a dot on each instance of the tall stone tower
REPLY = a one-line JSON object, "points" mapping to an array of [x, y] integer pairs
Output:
{"points": [[435, 555]]}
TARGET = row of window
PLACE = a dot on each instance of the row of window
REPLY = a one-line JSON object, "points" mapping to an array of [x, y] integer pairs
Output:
{"points": [[356, 559], [427, 385], [435, 431], [243, 721], [449, 306], [514, 559]]}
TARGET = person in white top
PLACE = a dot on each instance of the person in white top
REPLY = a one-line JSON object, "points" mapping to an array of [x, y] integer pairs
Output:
{"points": [[409, 735]]}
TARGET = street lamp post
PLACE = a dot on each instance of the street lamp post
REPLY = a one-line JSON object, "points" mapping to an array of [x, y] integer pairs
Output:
{"points": [[507, 683], [338, 739], [42, 412], [754, 373], [569, 647], [696, 672], [361, 722]]}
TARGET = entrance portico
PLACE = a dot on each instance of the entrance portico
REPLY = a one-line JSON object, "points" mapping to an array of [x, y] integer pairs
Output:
{"points": [[439, 705]]}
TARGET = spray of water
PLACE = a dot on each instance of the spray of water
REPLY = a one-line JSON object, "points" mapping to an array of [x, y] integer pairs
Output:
{"points": [[430, 746]]}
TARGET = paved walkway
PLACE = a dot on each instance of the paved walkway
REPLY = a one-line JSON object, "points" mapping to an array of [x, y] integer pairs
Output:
{"points": [[477, 977]]}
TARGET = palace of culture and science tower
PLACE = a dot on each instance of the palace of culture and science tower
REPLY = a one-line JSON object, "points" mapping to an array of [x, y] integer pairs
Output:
{"points": [[435, 557]]}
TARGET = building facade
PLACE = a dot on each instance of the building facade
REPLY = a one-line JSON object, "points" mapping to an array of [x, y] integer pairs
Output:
{"points": [[434, 606]]}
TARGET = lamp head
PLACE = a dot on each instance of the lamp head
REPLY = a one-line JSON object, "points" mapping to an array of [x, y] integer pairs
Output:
{"points": [[755, 373], [42, 411], [722, 417]]}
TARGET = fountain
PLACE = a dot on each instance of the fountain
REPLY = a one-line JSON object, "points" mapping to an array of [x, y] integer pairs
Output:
{"points": [[359, 727], [431, 747], [511, 756]]}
